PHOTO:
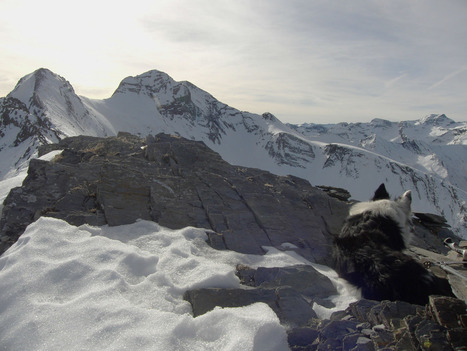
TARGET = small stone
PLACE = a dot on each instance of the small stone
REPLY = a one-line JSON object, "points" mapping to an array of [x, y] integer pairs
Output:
{"points": [[364, 325], [463, 320], [361, 308], [458, 338], [431, 336], [395, 310], [446, 310], [338, 315], [382, 338], [406, 343], [302, 337], [355, 341], [338, 329]]}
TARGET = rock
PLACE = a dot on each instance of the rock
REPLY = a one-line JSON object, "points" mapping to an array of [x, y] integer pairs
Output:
{"points": [[431, 336], [431, 219], [396, 310], [357, 341], [205, 300], [447, 310], [304, 279], [289, 291], [289, 306], [331, 337], [408, 327], [177, 183], [361, 309], [405, 342], [302, 338], [246, 275], [338, 193], [292, 309], [457, 337], [382, 339]]}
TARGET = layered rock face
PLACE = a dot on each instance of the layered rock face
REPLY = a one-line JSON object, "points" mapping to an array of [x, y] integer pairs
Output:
{"points": [[177, 183]]}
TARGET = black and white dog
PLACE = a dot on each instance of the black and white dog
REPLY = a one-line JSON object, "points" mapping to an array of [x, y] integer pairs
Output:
{"points": [[369, 252]]}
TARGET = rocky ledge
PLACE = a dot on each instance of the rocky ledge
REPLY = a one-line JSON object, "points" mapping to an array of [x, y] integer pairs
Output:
{"points": [[371, 325], [178, 183]]}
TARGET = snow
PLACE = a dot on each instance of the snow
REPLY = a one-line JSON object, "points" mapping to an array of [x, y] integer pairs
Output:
{"points": [[120, 288]]}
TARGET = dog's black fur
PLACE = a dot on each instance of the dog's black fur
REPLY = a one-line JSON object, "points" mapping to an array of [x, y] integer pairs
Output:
{"points": [[369, 253]]}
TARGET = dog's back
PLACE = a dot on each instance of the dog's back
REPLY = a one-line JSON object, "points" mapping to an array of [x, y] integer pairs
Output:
{"points": [[369, 252]]}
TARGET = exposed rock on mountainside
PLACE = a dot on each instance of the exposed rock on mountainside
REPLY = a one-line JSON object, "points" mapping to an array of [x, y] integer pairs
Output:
{"points": [[177, 183]]}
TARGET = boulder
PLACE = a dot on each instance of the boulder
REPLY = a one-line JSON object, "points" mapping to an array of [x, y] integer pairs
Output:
{"points": [[291, 308]]}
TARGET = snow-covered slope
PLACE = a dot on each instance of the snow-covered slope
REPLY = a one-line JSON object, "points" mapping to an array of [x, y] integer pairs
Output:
{"points": [[434, 144], [427, 156]]}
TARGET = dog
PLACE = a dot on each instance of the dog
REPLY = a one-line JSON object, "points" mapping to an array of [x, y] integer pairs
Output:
{"points": [[368, 252]]}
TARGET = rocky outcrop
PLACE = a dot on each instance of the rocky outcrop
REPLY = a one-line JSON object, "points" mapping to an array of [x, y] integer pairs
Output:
{"points": [[372, 325], [177, 183]]}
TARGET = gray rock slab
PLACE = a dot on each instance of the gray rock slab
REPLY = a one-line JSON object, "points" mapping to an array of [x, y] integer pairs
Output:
{"points": [[177, 183]]}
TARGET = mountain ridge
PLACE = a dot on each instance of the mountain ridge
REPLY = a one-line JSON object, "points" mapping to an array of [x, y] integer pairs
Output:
{"points": [[425, 155]]}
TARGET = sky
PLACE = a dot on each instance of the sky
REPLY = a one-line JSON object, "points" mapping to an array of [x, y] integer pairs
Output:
{"points": [[312, 61]]}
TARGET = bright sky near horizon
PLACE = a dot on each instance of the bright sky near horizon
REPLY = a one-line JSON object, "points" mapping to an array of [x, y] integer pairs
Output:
{"points": [[302, 60]]}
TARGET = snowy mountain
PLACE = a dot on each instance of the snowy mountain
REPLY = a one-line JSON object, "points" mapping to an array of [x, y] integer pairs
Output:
{"points": [[427, 155], [434, 144], [43, 108]]}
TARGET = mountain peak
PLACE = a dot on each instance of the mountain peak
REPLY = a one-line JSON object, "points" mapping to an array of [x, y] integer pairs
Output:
{"points": [[147, 83], [41, 83], [379, 122], [269, 117], [436, 119]]}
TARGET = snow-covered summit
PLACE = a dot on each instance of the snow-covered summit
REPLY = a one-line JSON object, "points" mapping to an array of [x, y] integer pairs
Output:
{"points": [[52, 97], [42, 83], [42, 108], [149, 83], [436, 120]]}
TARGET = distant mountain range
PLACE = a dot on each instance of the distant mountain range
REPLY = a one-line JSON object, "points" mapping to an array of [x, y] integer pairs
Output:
{"points": [[428, 155]]}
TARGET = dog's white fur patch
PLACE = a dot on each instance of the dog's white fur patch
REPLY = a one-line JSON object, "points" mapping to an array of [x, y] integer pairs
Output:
{"points": [[399, 211]]}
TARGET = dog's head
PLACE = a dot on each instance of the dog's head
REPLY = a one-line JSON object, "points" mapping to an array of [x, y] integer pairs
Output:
{"points": [[398, 210]]}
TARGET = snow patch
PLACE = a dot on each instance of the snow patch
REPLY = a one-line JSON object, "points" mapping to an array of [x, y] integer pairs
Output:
{"points": [[115, 288]]}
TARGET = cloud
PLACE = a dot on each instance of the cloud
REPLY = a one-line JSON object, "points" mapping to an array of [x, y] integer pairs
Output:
{"points": [[301, 60], [448, 77]]}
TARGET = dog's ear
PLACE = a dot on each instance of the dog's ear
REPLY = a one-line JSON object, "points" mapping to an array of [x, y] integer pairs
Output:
{"points": [[381, 193], [406, 200]]}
